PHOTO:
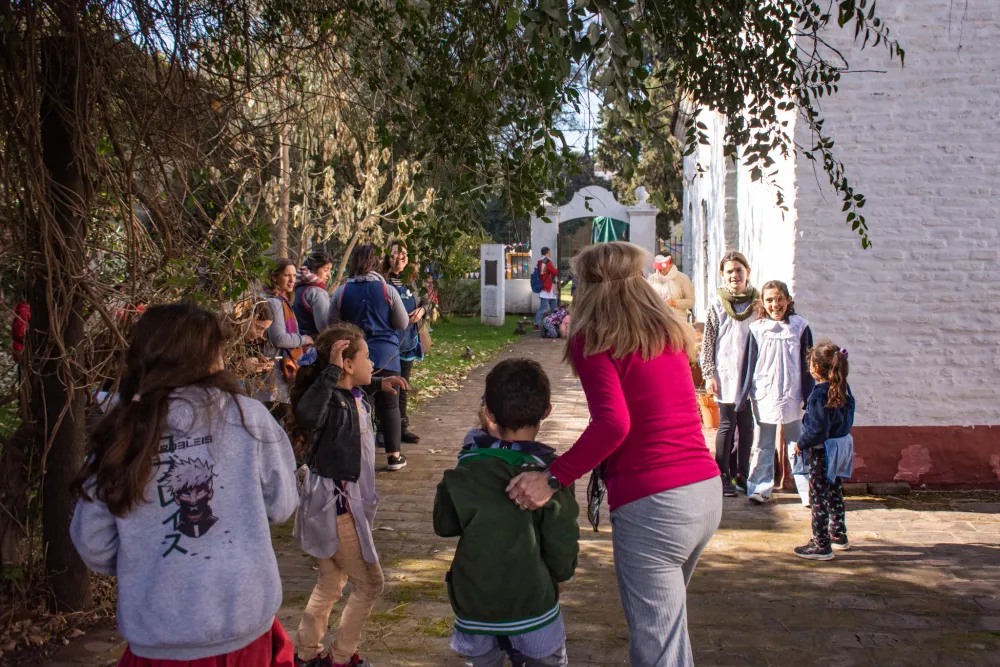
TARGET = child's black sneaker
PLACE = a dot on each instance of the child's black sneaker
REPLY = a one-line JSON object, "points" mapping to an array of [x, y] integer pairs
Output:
{"points": [[840, 543], [741, 484], [359, 662], [729, 489], [812, 551], [397, 462], [409, 437], [319, 661]]}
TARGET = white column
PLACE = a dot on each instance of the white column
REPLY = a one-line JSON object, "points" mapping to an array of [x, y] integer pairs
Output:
{"points": [[642, 224], [492, 283]]}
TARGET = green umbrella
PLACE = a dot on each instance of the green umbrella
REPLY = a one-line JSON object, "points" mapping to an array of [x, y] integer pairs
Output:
{"points": [[609, 229]]}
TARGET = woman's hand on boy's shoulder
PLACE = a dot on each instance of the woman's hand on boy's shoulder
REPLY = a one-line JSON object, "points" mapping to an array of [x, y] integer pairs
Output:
{"points": [[530, 490], [391, 384], [337, 352]]}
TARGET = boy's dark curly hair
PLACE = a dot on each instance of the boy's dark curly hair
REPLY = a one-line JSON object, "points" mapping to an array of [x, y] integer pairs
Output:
{"points": [[517, 393]]}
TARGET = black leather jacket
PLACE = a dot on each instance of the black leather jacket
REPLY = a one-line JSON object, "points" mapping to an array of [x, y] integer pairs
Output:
{"points": [[331, 414]]}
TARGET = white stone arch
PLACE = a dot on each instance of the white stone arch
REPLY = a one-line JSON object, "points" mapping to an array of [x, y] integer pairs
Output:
{"points": [[595, 201]]}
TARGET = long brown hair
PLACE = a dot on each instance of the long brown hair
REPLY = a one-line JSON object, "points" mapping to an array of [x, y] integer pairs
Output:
{"points": [[616, 309], [830, 363], [173, 346], [364, 260], [386, 267]]}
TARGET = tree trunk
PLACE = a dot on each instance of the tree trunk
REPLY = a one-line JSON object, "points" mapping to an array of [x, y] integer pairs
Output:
{"points": [[284, 191], [343, 262], [14, 496], [57, 307], [305, 236]]}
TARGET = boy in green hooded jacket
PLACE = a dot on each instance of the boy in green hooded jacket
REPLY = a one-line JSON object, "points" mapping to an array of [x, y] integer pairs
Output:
{"points": [[509, 566]]}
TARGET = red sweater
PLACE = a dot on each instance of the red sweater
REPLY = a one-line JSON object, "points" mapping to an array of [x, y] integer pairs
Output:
{"points": [[546, 273], [644, 423]]}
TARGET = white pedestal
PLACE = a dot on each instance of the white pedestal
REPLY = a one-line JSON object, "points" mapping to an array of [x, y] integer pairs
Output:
{"points": [[642, 229], [492, 283]]}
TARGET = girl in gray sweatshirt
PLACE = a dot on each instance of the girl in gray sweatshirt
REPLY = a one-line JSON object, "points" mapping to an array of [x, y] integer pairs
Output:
{"points": [[183, 478]]}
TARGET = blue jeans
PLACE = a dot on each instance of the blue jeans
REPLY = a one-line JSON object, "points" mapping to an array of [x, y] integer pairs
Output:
{"points": [[761, 478], [545, 307]]}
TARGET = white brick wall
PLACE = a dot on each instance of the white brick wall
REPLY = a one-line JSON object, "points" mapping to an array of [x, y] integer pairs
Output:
{"points": [[919, 312], [767, 233], [704, 236]]}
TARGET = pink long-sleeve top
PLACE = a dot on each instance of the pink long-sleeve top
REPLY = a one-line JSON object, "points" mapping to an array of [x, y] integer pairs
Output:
{"points": [[644, 423]]}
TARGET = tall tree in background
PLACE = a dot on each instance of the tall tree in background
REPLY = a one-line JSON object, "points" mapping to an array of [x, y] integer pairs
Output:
{"points": [[646, 154]]}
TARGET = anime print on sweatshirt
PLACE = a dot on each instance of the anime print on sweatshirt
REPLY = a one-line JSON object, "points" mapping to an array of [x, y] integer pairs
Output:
{"points": [[183, 557]]}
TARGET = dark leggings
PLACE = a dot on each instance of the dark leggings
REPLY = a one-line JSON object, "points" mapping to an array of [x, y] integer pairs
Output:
{"points": [[406, 365], [827, 500], [729, 421], [387, 411]]}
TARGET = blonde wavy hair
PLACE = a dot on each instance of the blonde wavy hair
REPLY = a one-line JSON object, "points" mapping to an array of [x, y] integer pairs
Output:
{"points": [[614, 308]]}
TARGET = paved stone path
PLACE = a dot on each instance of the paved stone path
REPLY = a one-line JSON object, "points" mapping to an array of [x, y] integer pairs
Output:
{"points": [[921, 587]]}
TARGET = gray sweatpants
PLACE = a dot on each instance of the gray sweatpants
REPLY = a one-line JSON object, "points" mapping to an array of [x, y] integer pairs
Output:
{"points": [[657, 542]]}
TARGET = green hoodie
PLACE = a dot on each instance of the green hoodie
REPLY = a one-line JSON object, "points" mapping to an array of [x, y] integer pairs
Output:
{"points": [[503, 579]]}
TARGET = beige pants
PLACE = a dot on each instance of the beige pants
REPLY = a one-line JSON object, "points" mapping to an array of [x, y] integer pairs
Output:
{"points": [[346, 565]]}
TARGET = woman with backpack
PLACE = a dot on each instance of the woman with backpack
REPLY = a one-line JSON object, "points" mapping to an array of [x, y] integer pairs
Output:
{"points": [[367, 301]]}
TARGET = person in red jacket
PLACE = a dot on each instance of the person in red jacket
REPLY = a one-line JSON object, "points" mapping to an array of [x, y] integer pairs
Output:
{"points": [[549, 296], [19, 329], [633, 360]]}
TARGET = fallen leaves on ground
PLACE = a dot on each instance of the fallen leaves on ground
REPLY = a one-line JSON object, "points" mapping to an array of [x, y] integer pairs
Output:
{"points": [[29, 627]]}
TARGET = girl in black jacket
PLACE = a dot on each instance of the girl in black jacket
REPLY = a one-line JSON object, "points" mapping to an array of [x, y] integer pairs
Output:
{"points": [[338, 499]]}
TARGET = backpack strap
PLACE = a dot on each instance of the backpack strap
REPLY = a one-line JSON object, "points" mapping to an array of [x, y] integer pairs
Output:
{"points": [[385, 293], [302, 298]]}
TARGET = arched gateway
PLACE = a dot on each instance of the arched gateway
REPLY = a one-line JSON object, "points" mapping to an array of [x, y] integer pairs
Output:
{"points": [[513, 295]]}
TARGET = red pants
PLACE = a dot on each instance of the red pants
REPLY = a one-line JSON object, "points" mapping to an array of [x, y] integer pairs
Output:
{"points": [[271, 649]]}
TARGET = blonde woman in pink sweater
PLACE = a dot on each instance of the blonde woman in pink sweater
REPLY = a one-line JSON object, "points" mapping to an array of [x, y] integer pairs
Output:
{"points": [[632, 355]]}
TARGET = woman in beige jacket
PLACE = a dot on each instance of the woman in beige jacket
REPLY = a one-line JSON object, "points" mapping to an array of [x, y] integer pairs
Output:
{"points": [[672, 286]]}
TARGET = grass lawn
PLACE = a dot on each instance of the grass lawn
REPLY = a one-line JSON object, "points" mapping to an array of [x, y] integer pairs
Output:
{"points": [[444, 366], [564, 294]]}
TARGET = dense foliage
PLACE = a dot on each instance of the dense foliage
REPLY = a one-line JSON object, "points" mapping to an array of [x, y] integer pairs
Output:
{"points": [[156, 149]]}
